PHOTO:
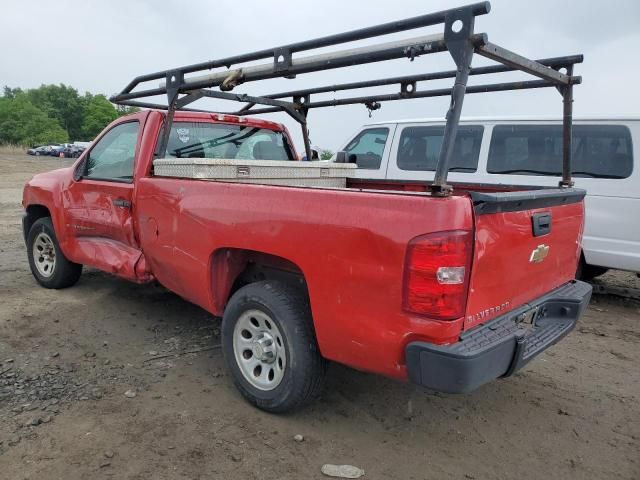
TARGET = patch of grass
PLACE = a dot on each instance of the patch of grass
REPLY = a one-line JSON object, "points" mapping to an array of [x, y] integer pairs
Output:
{"points": [[12, 149]]}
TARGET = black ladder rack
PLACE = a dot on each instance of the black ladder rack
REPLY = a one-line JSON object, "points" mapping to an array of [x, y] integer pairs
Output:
{"points": [[458, 38]]}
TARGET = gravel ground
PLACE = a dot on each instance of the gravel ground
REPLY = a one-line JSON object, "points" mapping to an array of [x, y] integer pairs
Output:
{"points": [[113, 380]]}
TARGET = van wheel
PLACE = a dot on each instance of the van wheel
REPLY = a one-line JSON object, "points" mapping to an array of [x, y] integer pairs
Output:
{"points": [[270, 346], [589, 272], [49, 266]]}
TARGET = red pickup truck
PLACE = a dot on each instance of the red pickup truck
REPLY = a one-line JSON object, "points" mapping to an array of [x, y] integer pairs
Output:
{"points": [[440, 290], [448, 289]]}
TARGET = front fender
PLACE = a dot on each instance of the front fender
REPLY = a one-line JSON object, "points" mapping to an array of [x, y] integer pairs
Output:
{"points": [[44, 190]]}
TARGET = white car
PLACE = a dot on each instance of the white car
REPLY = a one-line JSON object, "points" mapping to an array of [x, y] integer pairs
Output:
{"points": [[525, 151]]}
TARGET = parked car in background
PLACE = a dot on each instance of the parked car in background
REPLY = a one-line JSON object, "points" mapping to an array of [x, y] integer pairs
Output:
{"points": [[73, 151], [525, 152], [38, 151], [56, 150]]}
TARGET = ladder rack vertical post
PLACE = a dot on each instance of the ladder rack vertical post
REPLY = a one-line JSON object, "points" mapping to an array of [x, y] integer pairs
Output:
{"points": [[567, 130], [458, 32]]}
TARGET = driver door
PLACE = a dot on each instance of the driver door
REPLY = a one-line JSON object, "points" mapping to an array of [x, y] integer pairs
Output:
{"points": [[99, 204]]}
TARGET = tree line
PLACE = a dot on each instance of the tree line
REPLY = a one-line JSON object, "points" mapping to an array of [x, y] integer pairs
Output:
{"points": [[54, 114]]}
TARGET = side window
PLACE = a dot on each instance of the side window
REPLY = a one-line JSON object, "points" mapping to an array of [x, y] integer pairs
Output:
{"points": [[419, 148], [603, 151], [366, 149], [599, 151], [113, 156]]}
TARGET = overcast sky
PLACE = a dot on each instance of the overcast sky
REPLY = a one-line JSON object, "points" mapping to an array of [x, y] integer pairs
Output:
{"points": [[100, 46]]}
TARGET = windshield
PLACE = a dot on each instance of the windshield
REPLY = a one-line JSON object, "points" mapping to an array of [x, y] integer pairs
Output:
{"points": [[219, 140]]}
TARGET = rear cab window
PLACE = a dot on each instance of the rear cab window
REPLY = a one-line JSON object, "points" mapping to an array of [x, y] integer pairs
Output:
{"points": [[599, 151], [230, 141]]}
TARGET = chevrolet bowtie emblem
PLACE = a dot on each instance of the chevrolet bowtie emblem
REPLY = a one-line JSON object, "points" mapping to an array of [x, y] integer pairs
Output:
{"points": [[539, 253]]}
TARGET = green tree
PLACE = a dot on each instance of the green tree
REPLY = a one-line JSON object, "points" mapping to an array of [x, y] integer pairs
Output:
{"points": [[62, 103], [98, 113], [22, 123], [326, 154], [81, 117], [9, 92]]}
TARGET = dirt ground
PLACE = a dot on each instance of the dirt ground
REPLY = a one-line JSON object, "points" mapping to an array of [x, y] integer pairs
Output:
{"points": [[68, 357]]}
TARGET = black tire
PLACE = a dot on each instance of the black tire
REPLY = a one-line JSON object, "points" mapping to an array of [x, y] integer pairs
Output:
{"points": [[305, 370], [589, 272], [65, 273]]}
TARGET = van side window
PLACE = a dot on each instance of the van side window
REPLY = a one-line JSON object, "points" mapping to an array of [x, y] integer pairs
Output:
{"points": [[366, 149], [419, 148], [599, 151]]}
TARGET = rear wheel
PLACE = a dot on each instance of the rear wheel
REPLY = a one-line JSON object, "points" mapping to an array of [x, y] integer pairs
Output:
{"points": [[270, 346], [49, 266]]}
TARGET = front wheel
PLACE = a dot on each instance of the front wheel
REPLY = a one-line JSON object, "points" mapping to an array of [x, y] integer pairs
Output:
{"points": [[49, 266], [270, 347]]}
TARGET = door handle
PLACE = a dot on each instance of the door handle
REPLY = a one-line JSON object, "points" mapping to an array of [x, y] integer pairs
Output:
{"points": [[122, 203]]}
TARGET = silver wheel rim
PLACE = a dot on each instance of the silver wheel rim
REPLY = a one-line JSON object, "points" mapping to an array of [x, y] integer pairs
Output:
{"points": [[44, 254], [259, 350]]}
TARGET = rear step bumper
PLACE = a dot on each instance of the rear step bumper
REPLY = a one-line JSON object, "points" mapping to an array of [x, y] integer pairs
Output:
{"points": [[499, 347]]}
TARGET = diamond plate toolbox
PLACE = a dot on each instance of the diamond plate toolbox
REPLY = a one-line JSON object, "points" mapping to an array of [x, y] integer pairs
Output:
{"points": [[268, 172]]}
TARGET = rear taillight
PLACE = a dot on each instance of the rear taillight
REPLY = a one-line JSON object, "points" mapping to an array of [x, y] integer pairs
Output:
{"points": [[437, 274]]}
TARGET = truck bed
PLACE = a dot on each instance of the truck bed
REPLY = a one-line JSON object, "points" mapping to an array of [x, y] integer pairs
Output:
{"points": [[350, 246]]}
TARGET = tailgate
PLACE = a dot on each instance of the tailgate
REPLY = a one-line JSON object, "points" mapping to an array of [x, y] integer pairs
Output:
{"points": [[526, 244]]}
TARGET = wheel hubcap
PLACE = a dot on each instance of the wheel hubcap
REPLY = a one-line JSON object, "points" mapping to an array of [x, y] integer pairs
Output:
{"points": [[259, 350], [44, 254]]}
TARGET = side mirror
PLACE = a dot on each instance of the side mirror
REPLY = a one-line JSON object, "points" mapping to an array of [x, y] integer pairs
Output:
{"points": [[341, 157]]}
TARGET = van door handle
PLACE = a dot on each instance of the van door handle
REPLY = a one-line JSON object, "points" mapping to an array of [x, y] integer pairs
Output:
{"points": [[122, 203], [541, 223]]}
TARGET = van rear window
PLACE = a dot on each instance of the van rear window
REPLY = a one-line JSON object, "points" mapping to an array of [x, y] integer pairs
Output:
{"points": [[419, 148], [599, 151]]}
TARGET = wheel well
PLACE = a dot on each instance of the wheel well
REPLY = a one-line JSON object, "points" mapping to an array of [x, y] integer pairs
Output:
{"points": [[34, 212], [587, 271], [232, 269]]}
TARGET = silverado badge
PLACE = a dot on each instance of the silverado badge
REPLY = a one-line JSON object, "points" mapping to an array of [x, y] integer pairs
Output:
{"points": [[539, 253]]}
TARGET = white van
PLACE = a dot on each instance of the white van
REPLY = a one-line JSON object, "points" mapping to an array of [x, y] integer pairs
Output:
{"points": [[525, 151]]}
